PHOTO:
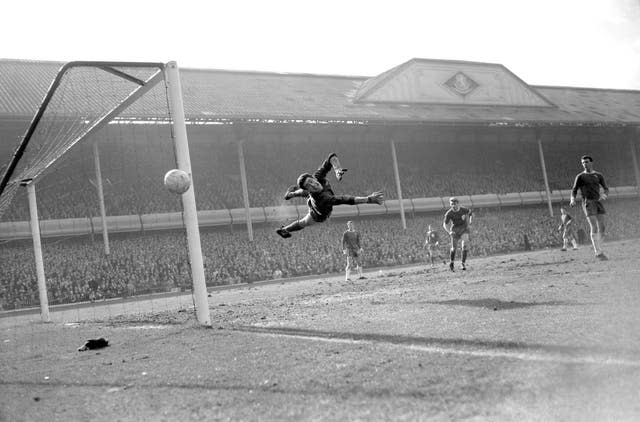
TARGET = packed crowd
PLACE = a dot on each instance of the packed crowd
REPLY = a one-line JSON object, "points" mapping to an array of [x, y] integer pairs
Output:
{"points": [[78, 270], [132, 172]]}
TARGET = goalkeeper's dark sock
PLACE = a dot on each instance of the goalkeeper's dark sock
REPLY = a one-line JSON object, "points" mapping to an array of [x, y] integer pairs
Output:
{"points": [[464, 255], [294, 227]]}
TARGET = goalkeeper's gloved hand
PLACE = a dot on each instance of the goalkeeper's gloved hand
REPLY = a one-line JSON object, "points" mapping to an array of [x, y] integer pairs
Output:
{"points": [[376, 198], [339, 173]]}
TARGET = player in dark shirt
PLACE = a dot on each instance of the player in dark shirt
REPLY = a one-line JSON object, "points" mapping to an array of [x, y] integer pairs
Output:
{"points": [[321, 198], [352, 248], [460, 219], [568, 230], [589, 183]]}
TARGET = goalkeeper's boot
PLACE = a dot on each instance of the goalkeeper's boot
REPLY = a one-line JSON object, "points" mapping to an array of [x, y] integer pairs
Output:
{"points": [[451, 266], [284, 233]]}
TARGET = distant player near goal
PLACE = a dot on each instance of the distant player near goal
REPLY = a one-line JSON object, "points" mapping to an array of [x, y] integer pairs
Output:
{"points": [[460, 219], [567, 227], [431, 243], [352, 248], [321, 198], [589, 182]]}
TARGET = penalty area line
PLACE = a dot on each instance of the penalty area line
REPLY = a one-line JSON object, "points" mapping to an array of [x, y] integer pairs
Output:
{"points": [[531, 356]]}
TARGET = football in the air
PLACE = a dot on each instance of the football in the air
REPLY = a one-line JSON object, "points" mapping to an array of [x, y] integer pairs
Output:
{"points": [[177, 181]]}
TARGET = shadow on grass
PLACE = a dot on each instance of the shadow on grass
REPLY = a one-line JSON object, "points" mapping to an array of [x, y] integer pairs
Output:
{"points": [[452, 343], [498, 305]]}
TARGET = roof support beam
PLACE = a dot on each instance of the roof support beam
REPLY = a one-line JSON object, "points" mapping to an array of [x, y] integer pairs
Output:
{"points": [[544, 171]]}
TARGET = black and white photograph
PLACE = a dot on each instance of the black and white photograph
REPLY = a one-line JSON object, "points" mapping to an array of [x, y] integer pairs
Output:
{"points": [[320, 211]]}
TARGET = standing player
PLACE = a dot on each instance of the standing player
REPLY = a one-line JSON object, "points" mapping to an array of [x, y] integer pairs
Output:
{"points": [[567, 228], [589, 182], [321, 198], [432, 243], [352, 248], [460, 219]]}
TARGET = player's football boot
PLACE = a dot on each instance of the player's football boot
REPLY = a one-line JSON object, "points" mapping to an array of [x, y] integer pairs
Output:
{"points": [[563, 249], [602, 257], [451, 266], [362, 277], [284, 233], [463, 266]]}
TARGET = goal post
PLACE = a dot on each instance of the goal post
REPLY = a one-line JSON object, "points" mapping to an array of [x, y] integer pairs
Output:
{"points": [[78, 105], [176, 108]]}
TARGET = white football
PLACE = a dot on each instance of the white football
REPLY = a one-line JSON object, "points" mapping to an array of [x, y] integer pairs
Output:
{"points": [[177, 181]]}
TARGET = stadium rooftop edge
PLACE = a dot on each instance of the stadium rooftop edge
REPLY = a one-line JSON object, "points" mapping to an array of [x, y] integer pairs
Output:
{"points": [[420, 91]]}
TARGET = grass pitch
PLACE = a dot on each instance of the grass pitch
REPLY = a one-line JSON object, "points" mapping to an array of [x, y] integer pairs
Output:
{"points": [[538, 336]]}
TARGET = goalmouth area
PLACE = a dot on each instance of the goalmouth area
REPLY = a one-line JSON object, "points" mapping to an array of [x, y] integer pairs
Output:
{"points": [[544, 335]]}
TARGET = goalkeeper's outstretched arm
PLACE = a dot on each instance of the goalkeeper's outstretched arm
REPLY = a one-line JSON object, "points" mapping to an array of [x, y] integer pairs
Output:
{"points": [[374, 198]]}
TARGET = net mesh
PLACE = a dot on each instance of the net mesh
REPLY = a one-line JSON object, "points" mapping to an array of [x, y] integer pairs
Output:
{"points": [[85, 98], [105, 135]]}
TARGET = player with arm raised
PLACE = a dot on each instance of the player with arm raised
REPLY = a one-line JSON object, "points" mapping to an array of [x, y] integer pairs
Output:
{"points": [[321, 198], [589, 183], [460, 219]]}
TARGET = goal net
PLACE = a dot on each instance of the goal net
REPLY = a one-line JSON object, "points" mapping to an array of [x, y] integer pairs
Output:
{"points": [[87, 229]]}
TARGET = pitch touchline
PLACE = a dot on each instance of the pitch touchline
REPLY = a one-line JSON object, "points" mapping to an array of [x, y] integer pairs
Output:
{"points": [[531, 356]]}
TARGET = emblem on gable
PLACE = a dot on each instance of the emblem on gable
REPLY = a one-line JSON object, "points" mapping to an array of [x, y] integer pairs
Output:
{"points": [[461, 84]]}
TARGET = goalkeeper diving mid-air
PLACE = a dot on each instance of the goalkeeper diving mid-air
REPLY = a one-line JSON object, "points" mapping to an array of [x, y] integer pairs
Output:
{"points": [[321, 198]]}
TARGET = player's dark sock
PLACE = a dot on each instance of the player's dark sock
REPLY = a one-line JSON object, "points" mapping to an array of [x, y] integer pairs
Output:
{"points": [[464, 255], [451, 266], [452, 255]]}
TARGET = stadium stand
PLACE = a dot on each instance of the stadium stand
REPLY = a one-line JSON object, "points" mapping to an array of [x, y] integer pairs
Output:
{"points": [[78, 270], [432, 169]]}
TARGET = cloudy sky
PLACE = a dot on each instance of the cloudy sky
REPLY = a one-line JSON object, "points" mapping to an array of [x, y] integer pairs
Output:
{"points": [[590, 43]]}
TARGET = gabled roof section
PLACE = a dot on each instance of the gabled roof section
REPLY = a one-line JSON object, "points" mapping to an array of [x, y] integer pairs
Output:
{"points": [[449, 82], [221, 95]]}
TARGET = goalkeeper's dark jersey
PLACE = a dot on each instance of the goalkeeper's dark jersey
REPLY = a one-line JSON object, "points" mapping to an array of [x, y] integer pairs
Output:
{"points": [[589, 185], [321, 203]]}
